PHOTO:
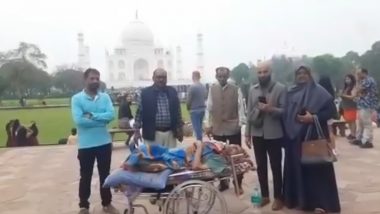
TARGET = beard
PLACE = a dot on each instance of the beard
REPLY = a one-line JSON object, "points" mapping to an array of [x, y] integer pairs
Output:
{"points": [[94, 87], [264, 81]]}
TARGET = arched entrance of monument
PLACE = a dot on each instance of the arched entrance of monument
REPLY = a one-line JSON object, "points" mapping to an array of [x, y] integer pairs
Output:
{"points": [[141, 69]]}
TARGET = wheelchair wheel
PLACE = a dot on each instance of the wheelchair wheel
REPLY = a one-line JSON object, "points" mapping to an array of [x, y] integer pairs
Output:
{"points": [[195, 197], [126, 211]]}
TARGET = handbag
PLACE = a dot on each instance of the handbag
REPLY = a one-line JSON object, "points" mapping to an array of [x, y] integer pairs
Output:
{"points": [[318, 150]]}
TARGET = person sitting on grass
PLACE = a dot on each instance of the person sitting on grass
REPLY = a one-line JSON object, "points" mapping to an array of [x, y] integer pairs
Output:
{"points": [[72, 139], [21, 135]]}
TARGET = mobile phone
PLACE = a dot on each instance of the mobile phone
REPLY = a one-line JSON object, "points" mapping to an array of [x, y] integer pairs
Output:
{"points": [[262, 99]]}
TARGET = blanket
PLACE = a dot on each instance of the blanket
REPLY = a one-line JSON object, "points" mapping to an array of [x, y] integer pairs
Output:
{"points": [[155, 158], [138, 179], [149, 166]]}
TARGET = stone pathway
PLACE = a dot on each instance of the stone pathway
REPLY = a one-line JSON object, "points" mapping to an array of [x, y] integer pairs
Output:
{"points": [[44, 180]]}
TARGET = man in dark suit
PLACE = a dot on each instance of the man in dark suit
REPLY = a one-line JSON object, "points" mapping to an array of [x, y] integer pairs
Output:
{"points": [[159, 113]]}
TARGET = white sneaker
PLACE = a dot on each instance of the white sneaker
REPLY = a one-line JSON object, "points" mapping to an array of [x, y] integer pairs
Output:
{"points": [[111, 209]]}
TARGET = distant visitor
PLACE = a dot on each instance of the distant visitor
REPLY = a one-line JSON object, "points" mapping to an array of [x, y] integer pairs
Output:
{"points": [[20, 135]]}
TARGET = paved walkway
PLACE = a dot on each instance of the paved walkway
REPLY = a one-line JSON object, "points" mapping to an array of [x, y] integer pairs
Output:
{"points": [[44, 180]]}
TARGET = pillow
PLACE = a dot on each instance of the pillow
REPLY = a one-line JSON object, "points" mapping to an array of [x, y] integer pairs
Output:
{"points": [[142, 179], [151, 166]]}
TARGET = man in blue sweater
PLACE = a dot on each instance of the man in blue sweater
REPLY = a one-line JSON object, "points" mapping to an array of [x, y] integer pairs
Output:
{"points": [[92, 111]]}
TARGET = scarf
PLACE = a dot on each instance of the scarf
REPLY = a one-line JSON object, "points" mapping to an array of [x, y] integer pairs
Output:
{"points": [[310, 96]]}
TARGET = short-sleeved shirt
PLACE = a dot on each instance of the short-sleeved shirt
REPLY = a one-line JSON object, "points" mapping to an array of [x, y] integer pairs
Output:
{"points": [[197, 95], [72, 140], [368, 97]]}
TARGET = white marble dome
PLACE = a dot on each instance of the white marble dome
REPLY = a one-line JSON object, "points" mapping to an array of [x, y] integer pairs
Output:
{"points": [[137, 32]]}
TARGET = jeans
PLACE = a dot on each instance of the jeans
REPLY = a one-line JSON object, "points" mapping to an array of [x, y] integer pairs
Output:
{"points": [[197, 121], [272, 148], [87, 157], [364, 131]]}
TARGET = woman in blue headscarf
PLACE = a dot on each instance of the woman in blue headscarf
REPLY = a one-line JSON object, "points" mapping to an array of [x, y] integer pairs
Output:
{"points": [[308, 187]]}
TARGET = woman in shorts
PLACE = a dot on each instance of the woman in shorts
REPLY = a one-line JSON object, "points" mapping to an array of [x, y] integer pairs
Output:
{"points": [[349, 105]]}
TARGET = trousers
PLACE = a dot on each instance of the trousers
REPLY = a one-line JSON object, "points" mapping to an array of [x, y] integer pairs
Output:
{"points": [[87, 157], [262, 149]]}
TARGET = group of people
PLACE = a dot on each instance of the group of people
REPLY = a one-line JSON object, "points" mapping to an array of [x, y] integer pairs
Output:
{"points": [[276, 118], [158, 115], [21, 135], [359, 104]]}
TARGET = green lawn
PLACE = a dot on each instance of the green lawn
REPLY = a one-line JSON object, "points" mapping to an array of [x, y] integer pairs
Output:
{"points": [[53, 123], [36, 102]]}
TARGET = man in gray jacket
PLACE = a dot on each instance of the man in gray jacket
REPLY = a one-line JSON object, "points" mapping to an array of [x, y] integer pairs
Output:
{"points": [[266, 101]]}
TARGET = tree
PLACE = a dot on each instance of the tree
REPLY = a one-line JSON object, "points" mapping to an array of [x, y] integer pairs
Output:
{"points": [[3, 85], [23, 68], [41, 82], [25, 77], [282, 68], [371, 60], [240, 73], [25, 52], [328, 65], [17, 72], [68, 79], [352, 57]]}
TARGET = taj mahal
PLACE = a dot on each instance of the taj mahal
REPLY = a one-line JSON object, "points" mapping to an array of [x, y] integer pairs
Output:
{"points": [[136, 55]]}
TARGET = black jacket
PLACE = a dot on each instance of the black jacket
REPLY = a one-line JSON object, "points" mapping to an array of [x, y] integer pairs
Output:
{"points": [[149, 110]]}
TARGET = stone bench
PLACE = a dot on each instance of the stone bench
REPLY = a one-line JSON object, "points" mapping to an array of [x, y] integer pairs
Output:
{"points": [[114, 131]]}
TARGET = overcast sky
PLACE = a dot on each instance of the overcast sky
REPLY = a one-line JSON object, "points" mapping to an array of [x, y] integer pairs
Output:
{"points": [[234, 30]]}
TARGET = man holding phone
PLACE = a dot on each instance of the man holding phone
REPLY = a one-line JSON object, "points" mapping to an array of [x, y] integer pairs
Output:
{"points": [[264, 128]]}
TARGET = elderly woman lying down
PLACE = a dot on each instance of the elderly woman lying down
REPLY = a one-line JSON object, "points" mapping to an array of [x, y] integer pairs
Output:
{"points": [[197, 156], [150, 166]]}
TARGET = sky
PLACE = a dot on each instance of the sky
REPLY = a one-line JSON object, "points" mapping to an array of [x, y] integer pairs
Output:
{"points": [[234, 30]]}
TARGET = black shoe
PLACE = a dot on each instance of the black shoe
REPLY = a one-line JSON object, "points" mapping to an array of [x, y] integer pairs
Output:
{"points": [[356, 142], [351, 137], [366, 145]]}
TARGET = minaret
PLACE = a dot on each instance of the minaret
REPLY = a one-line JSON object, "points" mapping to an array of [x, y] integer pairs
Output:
{"points": [[179, 63], [200, 65], [169, 63], [83, 53]]}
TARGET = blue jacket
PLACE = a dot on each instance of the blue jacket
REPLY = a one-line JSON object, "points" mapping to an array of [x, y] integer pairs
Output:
{"points": [[149, 110], [92, 130]]}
